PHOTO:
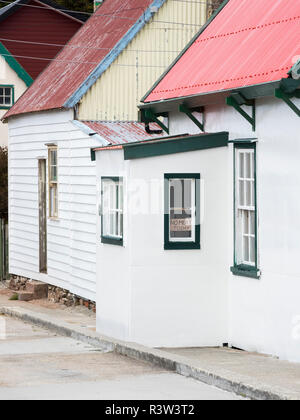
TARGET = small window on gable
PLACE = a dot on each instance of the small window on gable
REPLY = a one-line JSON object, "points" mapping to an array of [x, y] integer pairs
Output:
{"points": [[6, 96], [52, 182], [245, 218], [182, 218], [112, 210]]}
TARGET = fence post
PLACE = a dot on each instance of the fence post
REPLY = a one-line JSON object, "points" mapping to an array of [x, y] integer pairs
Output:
{"points": [[1, 251], [6, 253]]}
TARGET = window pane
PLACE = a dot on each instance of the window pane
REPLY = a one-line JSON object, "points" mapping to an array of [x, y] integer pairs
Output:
{"points": [[245, 222], [241, 165], [248, 193], [181, 225], [252, 250], [248, 165], [246, 249], [53, 205], [252, 223], [241, 193]]}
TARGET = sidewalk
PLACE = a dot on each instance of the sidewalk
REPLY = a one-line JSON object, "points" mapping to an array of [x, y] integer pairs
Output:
{"points": [[247, 374]]}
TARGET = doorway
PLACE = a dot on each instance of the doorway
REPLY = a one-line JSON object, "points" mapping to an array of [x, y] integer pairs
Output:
{"points": [[43, 215]]}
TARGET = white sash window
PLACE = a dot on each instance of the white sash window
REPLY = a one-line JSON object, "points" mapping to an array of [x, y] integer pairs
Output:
{"points": [[52, 182], [245, 209], [112, 210]]}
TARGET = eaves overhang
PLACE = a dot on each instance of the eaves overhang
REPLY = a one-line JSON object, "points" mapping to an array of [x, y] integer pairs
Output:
{"points": [[212, 98]]}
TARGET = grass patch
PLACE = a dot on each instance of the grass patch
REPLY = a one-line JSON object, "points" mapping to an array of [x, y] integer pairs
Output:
{"points": [[15, 296]]}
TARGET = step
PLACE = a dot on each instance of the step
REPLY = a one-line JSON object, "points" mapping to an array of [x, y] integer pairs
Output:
{"points": [[25, 296], [38, 289]]}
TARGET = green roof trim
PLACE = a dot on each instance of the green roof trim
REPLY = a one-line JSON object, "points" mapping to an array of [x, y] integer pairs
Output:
{"points": [[15, 65], [171, 145]]}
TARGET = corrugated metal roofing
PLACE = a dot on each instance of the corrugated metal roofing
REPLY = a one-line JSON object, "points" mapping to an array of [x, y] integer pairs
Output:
{"points": [[13, 7], [249, 42], [91, 44], [118, 133], [42, 23]]}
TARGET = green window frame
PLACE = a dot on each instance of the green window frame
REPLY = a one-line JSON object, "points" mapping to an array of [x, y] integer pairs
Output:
{"points": [[112, 210], [188, 216], [7, 91], [245, 211]]}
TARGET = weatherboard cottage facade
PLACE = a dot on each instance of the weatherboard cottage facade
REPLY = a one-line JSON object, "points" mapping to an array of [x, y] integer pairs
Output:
{"points": [[86, 98], [29, 28], [204, 222]]}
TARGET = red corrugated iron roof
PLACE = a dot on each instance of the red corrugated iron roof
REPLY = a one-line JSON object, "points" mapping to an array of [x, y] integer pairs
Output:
{"points": [[249, 42], [72, 66], [118, 133], [41, 23]]}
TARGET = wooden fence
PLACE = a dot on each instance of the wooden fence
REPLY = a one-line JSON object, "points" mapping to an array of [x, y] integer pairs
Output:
{"points": [[3, 250]]}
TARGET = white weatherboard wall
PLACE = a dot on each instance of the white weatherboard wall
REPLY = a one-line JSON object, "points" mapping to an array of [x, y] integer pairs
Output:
{"points": [[153, 296], [264, 314], [9, 77], [71, 238]]}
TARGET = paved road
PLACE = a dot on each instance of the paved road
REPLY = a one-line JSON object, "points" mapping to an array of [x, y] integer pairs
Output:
{"points": [[36, 364]]}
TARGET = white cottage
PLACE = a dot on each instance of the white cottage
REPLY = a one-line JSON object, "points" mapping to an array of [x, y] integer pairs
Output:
{"points": [[208, 218], [99, 75]]}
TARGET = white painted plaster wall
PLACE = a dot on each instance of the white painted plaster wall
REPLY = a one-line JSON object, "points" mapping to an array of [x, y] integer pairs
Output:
{"points": [[264, 315], [156, 297], [71, 238], [9, 77]]}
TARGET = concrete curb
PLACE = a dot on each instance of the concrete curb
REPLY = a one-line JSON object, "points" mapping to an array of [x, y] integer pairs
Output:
{"points": [[178, 364]]}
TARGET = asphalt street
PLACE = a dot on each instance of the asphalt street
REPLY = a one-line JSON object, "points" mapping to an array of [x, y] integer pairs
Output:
{"points": [[36, 364]]}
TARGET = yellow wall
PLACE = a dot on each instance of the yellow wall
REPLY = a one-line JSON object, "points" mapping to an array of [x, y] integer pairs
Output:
{"points": [[118, 91]]}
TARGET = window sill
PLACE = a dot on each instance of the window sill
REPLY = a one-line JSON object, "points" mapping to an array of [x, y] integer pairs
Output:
{"points": [[111, 241], [246, 271], [181, 245], [6, 107]]}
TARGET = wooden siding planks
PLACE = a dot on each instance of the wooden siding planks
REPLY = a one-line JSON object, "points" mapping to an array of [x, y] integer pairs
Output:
{"points": [[71, 239]]}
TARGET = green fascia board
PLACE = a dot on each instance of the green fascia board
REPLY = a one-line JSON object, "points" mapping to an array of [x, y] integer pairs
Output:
{"points": [[203, 28], [15, 65], [175, 145]]}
